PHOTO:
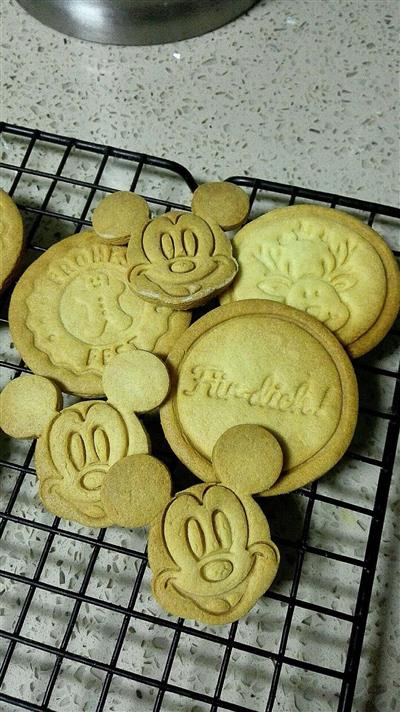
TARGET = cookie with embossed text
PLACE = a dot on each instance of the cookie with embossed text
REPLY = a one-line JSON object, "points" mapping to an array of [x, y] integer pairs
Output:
{"points": [[72, 311], [325, 262], [11, 239], [258, 361]]}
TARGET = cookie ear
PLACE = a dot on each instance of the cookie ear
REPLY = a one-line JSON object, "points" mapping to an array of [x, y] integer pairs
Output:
{"points": [[247, 458], [136, 381], [120, 215], [223, 202], [26, 405], [135, 490]]}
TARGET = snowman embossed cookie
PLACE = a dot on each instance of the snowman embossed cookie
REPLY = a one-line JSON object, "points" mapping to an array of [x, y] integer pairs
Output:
{"points": [[72, 311]]}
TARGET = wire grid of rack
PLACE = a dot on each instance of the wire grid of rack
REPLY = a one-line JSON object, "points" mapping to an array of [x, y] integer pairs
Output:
{"points": [[48, 220]]}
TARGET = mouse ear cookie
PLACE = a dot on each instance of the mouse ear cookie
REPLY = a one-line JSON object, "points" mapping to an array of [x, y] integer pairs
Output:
{"points": [[247, 458], [225, 203], [136, 381], [179, 260], [136, 490], [27, 403], [119, 215], [325, 263], [73, 311], [261, 362], [11, 238]]}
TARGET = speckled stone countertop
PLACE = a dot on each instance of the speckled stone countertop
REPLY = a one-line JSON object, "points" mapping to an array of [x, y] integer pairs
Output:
{"points": [[295, 91]]}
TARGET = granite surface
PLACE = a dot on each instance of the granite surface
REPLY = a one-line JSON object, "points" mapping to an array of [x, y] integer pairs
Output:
{"points": [[296, 91]]}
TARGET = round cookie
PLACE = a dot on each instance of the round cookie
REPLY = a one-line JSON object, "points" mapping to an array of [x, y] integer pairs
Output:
{"points": [[118, 215], [72, 311], [326, 263], [261, 362], [135, 490], [11, 238], [223, 202], [26, 404]]}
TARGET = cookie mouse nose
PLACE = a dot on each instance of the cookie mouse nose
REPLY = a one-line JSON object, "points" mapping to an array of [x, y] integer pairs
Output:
{"points": [[181, 265], [217, 570]]}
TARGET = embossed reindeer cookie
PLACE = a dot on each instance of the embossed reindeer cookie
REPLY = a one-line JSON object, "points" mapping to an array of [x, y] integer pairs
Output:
{"points": [[210, 548], [258, 361], [72, 311], [77, 445], [324, 262], [180, 260], [11, 239]]}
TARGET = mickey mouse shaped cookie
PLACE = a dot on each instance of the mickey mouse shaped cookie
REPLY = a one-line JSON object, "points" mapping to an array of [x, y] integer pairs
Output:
{"points": [[210, 549], [180, 259], [77, 445]]}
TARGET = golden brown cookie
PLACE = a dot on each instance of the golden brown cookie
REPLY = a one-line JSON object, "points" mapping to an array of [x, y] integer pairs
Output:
{"points": [[261, 362], [78, 445], [118, 215], [135, 490], [72, 311], [26, 404], [210, 548], [223, 202], [211, 554], [180, 260], [324, 262], [11, 238]]}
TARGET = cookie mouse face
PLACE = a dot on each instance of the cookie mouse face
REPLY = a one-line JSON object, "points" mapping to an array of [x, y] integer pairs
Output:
{"points": [[217, 556], [180, 260], [210, 549], [77, 445], [75, 453]]}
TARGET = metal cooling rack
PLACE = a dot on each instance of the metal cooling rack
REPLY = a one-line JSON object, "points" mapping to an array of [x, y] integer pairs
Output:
{"points": [[56, 181]]}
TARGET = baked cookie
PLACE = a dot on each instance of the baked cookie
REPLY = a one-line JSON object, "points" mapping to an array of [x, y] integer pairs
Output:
{"points": [[180, 260], [258, 361], [77, 445], [324, 262], [223, 202], [210, 548], [118, 215], [11, 238], [72, 311]]}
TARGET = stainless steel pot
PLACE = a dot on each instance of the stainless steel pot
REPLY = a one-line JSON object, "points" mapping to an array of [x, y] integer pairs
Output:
{"points": [[135, 22]]}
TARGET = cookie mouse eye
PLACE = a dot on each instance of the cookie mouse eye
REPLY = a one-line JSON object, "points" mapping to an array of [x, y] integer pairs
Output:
{"points": [[136, 381], [223, 202], [248, 459], [135, 490], [27, 404]]}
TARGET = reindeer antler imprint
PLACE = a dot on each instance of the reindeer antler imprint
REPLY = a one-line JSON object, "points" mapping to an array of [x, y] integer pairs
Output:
{"points": [[323, 262]]}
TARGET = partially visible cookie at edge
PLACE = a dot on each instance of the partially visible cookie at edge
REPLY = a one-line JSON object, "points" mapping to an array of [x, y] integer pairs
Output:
{"points": [[11, 239]]}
